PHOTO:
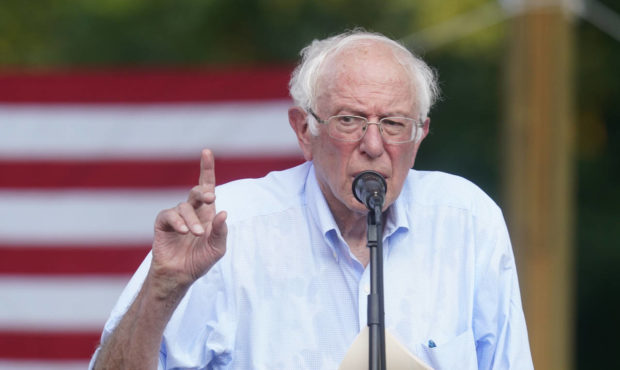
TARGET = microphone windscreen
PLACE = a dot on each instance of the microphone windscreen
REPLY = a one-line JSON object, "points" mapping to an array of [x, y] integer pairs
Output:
{"points": [[367, 184]]}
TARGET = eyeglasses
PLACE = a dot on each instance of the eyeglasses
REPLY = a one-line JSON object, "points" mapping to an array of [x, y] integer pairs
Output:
{"points": [[394, 130]]}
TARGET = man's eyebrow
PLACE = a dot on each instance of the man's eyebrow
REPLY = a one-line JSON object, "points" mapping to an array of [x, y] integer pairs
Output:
{"points": [[359, 111], [349, 110]]}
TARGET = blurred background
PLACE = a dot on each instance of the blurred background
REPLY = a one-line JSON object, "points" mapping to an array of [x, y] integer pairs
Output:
{"points": [[105, 105]]}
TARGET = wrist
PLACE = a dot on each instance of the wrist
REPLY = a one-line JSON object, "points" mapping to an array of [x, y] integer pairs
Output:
{"points": [[166, 286]]}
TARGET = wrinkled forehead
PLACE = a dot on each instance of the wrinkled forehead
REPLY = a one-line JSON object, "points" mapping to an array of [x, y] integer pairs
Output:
{"points": [[364, 63]]}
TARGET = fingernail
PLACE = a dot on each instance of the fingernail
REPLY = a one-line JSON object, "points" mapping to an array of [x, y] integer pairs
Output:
{"points": [[184, 228], [198, 229]]}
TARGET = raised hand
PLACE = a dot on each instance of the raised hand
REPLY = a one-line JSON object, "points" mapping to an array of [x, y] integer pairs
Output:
{"points": [[191, 237]]}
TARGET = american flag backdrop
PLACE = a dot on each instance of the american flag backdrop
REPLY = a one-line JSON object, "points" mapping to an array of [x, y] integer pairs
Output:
{"points": [[87, 160]]}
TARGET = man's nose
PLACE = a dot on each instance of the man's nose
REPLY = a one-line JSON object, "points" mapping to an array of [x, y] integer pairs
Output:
{"points": [[372, 141]]}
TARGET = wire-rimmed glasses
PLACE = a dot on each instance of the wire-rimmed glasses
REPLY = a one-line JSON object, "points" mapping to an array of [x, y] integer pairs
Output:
{"points": [[394, 130]]}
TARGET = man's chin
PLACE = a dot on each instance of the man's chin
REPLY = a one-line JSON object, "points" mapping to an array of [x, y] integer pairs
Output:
{"points": [[358, 207]]}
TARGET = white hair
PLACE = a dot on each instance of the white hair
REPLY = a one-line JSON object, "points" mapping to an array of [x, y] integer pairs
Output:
{"points": [[304, 80]]}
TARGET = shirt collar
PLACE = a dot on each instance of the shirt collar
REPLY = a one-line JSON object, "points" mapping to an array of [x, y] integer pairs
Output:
{"points": [[397, 217], [320, 212], [317, 205]]}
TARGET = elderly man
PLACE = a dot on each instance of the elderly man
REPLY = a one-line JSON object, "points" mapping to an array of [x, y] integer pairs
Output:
{"points": [[278, 279]]}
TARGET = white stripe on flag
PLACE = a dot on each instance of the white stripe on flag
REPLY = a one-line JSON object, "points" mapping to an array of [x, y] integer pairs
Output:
{"points": [[43, 365], [145, 130], [57, 303], [80, 216]]}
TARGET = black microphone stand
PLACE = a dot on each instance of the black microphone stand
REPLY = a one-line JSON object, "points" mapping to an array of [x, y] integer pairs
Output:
{"points": [[376, 316]]}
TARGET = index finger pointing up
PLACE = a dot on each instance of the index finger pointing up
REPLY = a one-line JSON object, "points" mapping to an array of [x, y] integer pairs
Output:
{"points": [[207, 169]]}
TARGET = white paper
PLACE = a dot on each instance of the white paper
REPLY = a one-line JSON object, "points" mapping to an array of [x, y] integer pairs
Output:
{"points": [[397, 356]]}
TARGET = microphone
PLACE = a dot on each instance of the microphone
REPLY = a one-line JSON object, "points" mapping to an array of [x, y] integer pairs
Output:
{"points": [[369, 188]]}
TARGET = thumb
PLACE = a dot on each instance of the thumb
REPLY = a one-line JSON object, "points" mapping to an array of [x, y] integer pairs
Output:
{"points": [[219, 231]]}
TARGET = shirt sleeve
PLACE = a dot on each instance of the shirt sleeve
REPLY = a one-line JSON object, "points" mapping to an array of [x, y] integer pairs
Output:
{"points": [[499, 323], [199, 331]]}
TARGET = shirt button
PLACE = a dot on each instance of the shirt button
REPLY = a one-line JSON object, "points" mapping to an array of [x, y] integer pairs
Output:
{"points": [[367, 288], [335, 255]]}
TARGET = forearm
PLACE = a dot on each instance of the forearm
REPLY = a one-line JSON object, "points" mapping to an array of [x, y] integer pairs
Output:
{"points": [[135, 342]]}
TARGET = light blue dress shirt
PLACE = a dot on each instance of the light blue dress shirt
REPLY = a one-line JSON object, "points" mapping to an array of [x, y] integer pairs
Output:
{"points": [[289, 294]]}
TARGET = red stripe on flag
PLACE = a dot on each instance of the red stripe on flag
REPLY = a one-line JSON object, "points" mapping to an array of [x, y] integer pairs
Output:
{"points": [[71, 260], [145, 85], [53, 345], [40, 174]]}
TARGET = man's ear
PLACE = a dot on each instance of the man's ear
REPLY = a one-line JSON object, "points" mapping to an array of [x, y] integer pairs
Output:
{"points": [[425, 129], [298, 119]]}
